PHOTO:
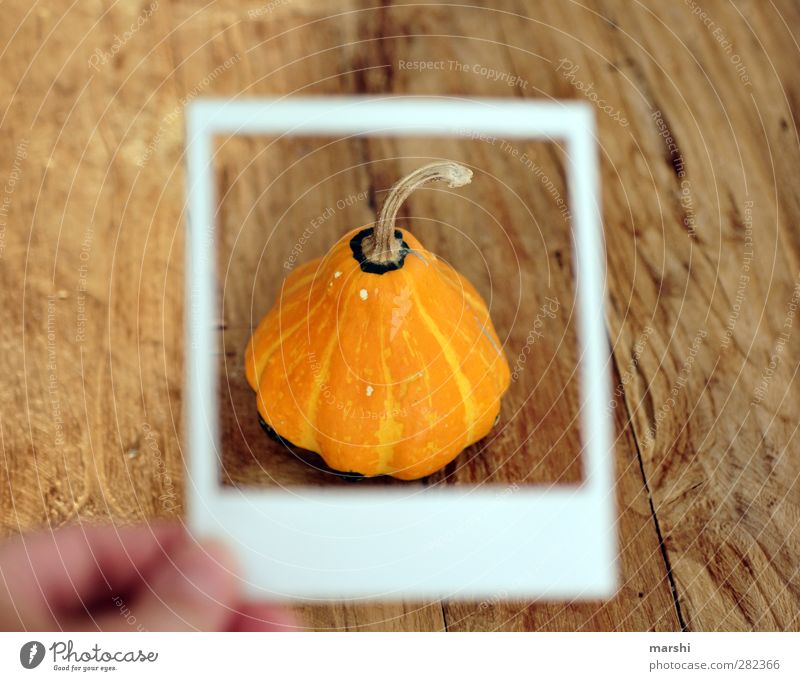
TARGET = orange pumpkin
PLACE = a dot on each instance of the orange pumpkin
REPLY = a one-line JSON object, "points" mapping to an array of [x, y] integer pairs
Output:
{"points": [[379, 356]]}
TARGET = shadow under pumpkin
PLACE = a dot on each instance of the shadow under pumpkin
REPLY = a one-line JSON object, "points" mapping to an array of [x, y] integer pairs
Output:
{"points": [[254, 454]]}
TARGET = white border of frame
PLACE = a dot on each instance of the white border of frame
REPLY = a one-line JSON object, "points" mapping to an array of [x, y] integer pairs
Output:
{"points": [[554, 542]]}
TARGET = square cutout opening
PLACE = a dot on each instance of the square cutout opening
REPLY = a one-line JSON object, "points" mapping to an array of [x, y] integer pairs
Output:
{"points": [[284, 201]]}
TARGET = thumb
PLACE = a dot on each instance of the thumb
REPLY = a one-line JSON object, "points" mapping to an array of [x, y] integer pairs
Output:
{"points": [[195, 589]]}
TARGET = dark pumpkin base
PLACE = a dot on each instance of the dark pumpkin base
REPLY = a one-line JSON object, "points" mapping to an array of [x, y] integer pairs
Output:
{"points": [[272, 434], [351, 476]]}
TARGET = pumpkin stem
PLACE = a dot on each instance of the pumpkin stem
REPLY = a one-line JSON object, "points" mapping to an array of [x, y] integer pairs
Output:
{"points": [[382, 246]]}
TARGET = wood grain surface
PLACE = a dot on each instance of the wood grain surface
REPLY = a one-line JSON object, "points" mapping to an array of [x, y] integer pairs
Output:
{"points": [[697, 109]]}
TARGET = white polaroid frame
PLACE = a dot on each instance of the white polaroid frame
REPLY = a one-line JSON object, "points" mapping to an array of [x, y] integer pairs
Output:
{"points": [[540, 541]]}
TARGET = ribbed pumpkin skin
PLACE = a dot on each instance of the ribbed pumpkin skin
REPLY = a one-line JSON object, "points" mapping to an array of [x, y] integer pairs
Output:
{"points": [[392, 373]]}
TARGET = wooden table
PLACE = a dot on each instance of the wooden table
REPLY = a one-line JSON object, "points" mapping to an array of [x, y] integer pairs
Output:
{"points": [[697, 109]]}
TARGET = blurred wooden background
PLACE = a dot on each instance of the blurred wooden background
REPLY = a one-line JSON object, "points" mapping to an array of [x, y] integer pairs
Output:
{"points": [[697, 108]]}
